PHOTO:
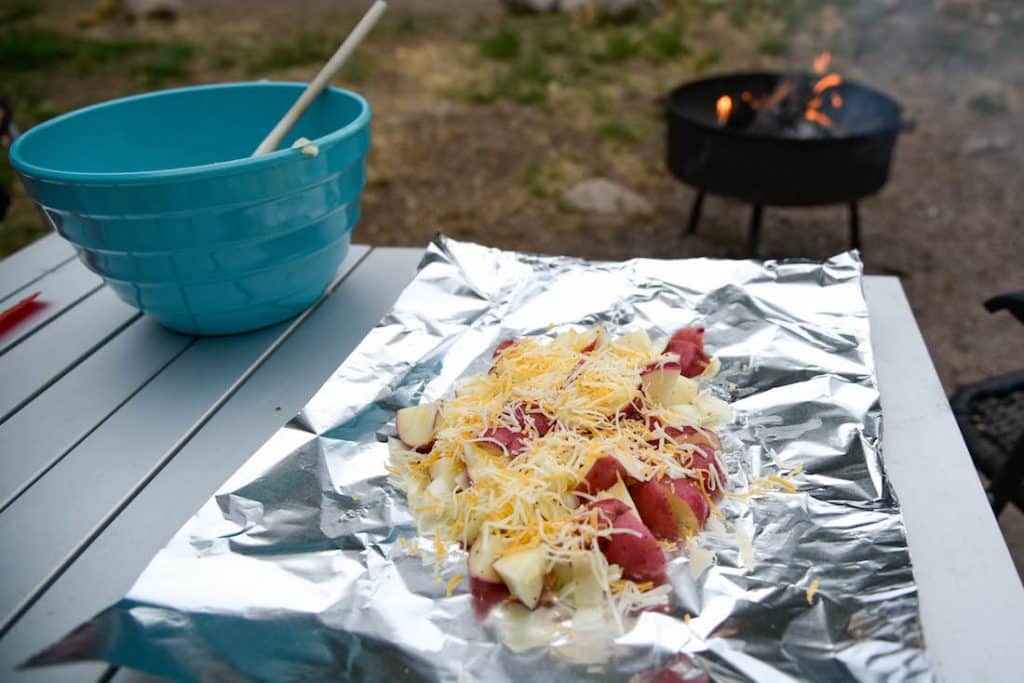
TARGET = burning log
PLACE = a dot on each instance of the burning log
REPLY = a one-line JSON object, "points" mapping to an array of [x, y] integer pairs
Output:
{"points": [[799, 106]]}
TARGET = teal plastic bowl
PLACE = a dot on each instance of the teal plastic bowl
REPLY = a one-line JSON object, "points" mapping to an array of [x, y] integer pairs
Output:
{"points": [[160, 197]]}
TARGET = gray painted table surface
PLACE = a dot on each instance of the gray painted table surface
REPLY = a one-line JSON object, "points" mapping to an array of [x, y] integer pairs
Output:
{"points": [[113, 431]]}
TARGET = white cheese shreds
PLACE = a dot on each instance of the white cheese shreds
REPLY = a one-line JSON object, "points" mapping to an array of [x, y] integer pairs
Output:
{"points": [[512, 445]]}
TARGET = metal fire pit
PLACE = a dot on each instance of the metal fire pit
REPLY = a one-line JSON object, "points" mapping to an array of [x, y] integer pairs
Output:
{"points": [[777, 169]]}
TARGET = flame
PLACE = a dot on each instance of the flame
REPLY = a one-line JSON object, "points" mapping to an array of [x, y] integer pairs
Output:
{"points": [[837, 100], [746, 96], [723, 108], [825, 82], [815, 116], [821, 62]]}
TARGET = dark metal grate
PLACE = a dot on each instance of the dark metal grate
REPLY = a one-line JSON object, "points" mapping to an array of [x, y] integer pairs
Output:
{"points": [[999, 419]]}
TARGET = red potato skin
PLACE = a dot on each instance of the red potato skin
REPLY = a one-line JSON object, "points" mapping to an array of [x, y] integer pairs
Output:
{"points": [[662, 365], [485, 595], [651, 500], [640, 555], [703, 460], [501, 347], [694, 436], [689, 493], [602, 475], [688, 344], [514, 442], [531, 416]]}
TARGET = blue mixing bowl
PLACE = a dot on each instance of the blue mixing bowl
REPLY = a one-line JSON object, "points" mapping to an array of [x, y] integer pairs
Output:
{"points": [[160, 197]]}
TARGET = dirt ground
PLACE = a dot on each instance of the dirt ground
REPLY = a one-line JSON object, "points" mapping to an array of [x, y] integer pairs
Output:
{"points": [[481, 122]]}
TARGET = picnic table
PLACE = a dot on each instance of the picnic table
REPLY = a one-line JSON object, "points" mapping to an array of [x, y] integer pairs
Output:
{"points": [[113, 431]]}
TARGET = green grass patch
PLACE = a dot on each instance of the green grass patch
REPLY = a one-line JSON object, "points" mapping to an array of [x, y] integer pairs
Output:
{"points": [[170, 63], [707, 59], [504, 45], [524, 81], [623, 130], [665, 44], [300, 49], [773, 46], [617, 46], [32, 48]]}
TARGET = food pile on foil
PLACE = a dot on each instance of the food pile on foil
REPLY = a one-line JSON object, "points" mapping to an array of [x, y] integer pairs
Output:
{"points": [[329, 556], [567, 470]]}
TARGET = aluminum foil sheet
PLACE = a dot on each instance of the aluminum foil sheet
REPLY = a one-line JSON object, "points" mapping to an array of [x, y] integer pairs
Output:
{"points": [[306, 564]]}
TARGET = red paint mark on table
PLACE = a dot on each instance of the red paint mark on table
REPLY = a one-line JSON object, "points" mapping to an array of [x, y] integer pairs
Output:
{"points": [[25, 308]]}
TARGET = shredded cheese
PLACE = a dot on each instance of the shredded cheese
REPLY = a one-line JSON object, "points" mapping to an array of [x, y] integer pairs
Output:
{"points": [[567, 402], [811, 590], [453, 583]]}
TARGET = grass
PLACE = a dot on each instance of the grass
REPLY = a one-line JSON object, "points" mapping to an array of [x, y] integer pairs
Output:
{"points": [[503, 45], [170, 63], [623, 130], [302, 48], [31, 48], [773, 46], [707, 59]]}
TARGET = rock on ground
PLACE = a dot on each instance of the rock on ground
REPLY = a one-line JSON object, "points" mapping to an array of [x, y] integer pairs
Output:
{"points": [[602, 196]]}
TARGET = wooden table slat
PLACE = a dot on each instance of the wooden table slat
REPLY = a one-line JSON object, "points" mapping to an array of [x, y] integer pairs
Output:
{"points": [[21, 269], [234, 433]]}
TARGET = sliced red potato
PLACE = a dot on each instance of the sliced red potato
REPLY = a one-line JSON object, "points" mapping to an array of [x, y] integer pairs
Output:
{"points": [[704, 461], [485, 595], [692, 435], [587, 590], [445, 477], [636, 549], [509, 441], [618, 491], [671, 508], [480, 460], [713, 410], [531, 416], [603, 474], [416, 425], [484, 553], [664, 384], [694, 335], [523, 573], [689, 505], [592, 339], [652, 501], [501, 347], [688, 345], [637, 340]]}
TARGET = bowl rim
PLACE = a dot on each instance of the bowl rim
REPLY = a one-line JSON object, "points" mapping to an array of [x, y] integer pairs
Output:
{"points": [[184, 172]]}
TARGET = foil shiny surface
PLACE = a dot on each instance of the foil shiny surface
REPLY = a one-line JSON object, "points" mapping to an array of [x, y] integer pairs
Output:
{"points": [[306, 564]]}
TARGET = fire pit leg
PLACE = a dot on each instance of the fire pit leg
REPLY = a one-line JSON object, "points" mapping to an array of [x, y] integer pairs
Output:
{"points": [[854, 226], [695, 211], [755, 228]]}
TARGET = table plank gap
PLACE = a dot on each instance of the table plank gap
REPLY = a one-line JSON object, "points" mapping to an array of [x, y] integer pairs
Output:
{"points": [[27, 266], [64, 371], [275, 393], [59, 291], [13, 522], [49, 465]]}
